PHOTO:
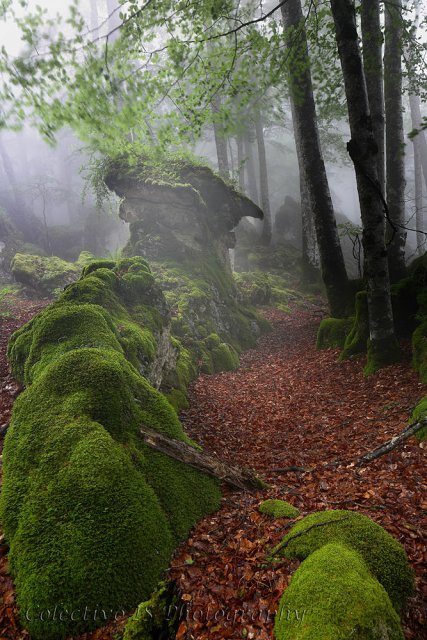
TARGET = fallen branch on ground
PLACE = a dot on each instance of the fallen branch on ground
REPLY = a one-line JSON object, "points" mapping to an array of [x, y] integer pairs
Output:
{"points": [[236, 477], [411, 430]]}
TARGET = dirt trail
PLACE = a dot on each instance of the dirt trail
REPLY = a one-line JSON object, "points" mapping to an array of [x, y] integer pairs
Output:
{"points": [[287, 405]]}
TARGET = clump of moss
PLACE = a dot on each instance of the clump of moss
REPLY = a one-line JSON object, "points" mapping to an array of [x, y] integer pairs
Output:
{"points": [[156, 618], [384, 556], [333, 596], [381, 354], [333, 333], [420, 413], [278, 509], [357, 339], [42, 274]]}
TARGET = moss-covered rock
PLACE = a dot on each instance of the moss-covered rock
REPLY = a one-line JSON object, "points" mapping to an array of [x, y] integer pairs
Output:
{"points": [[384, 556], [357, 339], [333, 596], [156, 618], [420, 413], [333, 333], [278, 509], [90, 513], [42, 274]]}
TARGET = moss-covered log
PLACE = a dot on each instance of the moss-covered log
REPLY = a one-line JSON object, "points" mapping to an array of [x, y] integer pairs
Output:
{"points": [[90, 512]]}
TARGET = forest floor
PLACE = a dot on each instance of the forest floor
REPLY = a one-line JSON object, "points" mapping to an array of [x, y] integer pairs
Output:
{"points": [[287, 405]]}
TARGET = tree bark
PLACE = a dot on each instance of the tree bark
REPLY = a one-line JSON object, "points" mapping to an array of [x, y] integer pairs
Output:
{"points": [[241, 162], [236, 477], [372, 39], [419, 213], [395, 141], [363, 151], [263, 180], [410, 431], [310, 160], [310, 272], [250, 167], [220, 140]]}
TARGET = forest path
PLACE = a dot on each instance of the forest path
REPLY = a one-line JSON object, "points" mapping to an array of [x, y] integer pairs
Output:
{"points": [[290, 405], [287, 405]]}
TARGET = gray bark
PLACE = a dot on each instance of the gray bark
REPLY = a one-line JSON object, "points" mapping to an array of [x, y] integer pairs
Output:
{"points": [[263, 180], [309, 259], [373, 64], [395, 141], [419, 213], [241, 162], [251, 172], [363, 151], [220, 141], [310, 160]]}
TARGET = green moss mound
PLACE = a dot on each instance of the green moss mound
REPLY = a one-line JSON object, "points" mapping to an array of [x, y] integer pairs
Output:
{"points": [[384, 352], [420, 412], [384, 556], [333, 596], [278, 509], [333, 332], [358, 336], [91, 514], [44, 275]]}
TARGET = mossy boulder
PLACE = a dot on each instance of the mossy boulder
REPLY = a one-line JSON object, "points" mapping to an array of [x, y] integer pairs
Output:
{"points": [[92, 514], [278, 509], [420, 413], [333, 596], [333, 333], [42, 274], [383, 555], [156, 618]]}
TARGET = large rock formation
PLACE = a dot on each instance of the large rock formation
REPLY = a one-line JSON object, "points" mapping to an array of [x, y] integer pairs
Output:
{"points": [[187, 213]]}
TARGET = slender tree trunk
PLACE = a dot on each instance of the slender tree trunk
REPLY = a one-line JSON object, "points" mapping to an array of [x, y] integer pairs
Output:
{"points": [[372, 38], [250, 166], [241, 162], [220, 140], [20, 213], [362, 148], [310, 160], [395, 142], [263, 180], [414, 102], [419, 213]]}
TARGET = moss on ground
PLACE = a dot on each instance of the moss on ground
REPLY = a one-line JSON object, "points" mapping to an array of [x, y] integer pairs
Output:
{"points": [[278, 509], [384, 556], [333, 333], [92, 514], [382, 354], [333, 596]]}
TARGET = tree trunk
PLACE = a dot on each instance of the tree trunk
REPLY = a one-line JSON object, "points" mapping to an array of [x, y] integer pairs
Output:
{"points": [[263, 180], [372, 38], [220, 140], [241, 162], [414, 102], [237, 477], [250, 167], [310, 160], [310, 272], [419, 213], [395, 142], [363, 151]]}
